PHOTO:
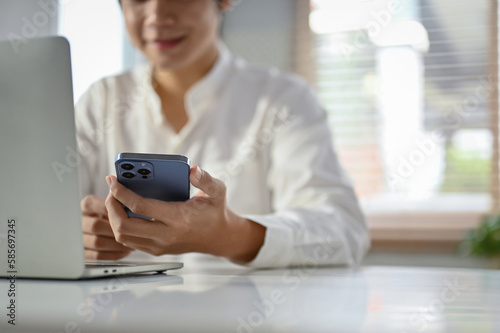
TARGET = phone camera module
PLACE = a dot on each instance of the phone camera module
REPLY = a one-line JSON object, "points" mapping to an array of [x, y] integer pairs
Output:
{"points": [[144, 172], [127, 166], [128, 175]]}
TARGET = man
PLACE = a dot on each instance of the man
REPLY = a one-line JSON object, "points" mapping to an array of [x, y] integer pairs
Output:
{"points": [[271, 191]]}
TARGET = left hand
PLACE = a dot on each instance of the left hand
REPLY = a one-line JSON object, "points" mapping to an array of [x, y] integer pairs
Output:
{"points": [[203, 223]]}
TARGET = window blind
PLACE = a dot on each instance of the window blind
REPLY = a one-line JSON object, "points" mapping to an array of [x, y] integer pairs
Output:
{"points": [[410, 90]]}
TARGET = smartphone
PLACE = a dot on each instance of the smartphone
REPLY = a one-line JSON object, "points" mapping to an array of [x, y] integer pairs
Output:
{"points": [[157, 176]]}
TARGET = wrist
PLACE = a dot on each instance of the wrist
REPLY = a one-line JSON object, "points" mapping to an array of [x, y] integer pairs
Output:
{"points": [[243, 238]]}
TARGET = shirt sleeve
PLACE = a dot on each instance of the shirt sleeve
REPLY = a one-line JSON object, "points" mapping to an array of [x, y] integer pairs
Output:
{"points": [[87, 136], [317, 219]]}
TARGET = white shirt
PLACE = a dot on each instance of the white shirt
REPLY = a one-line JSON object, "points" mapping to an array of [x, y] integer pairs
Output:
{"points": [[260, 131]]}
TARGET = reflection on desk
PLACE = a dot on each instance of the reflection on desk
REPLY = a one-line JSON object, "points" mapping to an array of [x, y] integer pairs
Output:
{"points": [[232, 299]]}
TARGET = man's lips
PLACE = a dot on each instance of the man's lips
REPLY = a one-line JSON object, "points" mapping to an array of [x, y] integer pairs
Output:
{"points": [[164, 44]]}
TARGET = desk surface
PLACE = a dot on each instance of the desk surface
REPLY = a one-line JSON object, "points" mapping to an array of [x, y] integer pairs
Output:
{"points": [[229, 299]]}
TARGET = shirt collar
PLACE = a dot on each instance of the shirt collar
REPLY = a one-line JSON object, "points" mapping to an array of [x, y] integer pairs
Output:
{"points": [[205, 91], [202, 93]]}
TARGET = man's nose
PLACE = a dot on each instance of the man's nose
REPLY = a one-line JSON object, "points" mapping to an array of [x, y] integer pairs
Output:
{"points": [[161, 12]]}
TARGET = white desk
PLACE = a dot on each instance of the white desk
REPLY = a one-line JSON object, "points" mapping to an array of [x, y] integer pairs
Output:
{"points": [[227, 299]]}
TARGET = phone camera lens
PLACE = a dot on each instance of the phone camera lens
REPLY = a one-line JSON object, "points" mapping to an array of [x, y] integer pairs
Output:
{"points": [[144, 172], [127, 166], [128, 175]]}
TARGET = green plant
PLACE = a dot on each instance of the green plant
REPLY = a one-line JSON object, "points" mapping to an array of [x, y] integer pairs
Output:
{"points": [[466, 171], [484, 240]]}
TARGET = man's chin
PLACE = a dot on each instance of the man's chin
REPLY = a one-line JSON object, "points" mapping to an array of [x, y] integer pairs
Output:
{"points": [[166, 65]]}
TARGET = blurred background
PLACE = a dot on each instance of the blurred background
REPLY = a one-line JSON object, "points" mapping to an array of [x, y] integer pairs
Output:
{"points": [[410, 88]]}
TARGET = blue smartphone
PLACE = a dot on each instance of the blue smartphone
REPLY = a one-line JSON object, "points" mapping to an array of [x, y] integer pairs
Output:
{"points": [[157, 176]]}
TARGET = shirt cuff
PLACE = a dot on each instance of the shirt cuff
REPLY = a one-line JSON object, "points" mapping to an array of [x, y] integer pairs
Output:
{"points": [[277, 250]]}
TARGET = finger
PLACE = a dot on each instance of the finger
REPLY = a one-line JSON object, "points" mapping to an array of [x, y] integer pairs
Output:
{"points": [[100, 243], [122, 224], [156, 209], [96, 226], [226, 5], [212, 187], [102, 255], [93, 205], [143, 244], [150, 246]]}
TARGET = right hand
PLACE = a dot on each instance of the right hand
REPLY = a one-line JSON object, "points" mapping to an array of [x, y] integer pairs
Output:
{"points": [[98, 238]]}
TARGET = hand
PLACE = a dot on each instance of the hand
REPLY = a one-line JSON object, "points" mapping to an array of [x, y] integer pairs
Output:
{"points": [[203, 223], [98, 238]]}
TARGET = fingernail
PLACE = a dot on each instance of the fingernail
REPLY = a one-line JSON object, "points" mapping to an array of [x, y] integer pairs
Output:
{"points": [[198, 173], [108, 180]]}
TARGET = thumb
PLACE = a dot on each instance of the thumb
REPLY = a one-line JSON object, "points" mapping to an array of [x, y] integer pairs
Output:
{"points": [[210, 186]]}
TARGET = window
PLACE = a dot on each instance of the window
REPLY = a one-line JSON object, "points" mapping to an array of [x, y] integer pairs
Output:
{"points": [[408, 86], [95, 31]]}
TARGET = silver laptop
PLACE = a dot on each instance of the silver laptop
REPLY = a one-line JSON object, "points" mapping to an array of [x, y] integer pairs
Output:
{"points": [[40, 218]]}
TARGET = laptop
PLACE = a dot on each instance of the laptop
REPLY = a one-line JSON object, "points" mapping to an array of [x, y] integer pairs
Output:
{"points": [[40, 217]]}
